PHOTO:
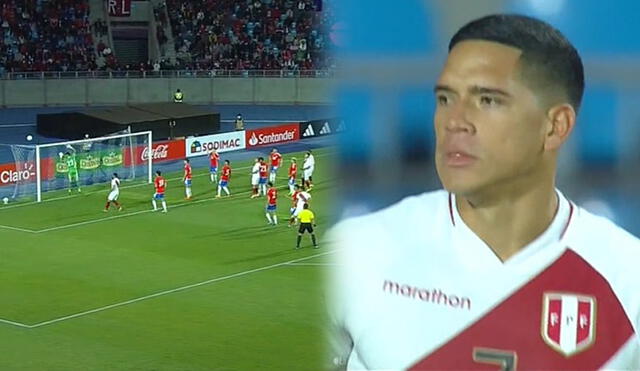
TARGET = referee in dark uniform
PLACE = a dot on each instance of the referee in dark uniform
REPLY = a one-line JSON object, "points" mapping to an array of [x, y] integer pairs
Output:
{"points": [[307, 222]]}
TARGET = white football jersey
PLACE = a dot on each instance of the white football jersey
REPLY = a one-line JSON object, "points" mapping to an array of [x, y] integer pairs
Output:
{"points": [[309, 162], [416, 289], [255, 169], [303, 197], [115, 185]]}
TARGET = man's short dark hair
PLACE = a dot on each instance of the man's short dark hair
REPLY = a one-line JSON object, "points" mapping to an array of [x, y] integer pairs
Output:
{"points": [[158, 172], [550, 61]]}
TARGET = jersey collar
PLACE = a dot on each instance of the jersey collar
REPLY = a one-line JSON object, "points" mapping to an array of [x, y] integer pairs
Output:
{"points": [[554, 234]]}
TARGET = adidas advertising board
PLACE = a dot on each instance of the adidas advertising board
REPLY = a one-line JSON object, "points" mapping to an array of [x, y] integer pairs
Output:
{"points": [[316, 128]]}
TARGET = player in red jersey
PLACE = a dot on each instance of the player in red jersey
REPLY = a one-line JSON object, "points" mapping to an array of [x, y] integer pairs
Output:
{"points": [[224, 179], [214, 157], [293, 171], [262, 182], [276, 160], [272, 196], [187, 179], [159, 183]]}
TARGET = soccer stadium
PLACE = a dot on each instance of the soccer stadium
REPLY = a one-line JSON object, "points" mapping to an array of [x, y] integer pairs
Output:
{"points": [[131, 237]]}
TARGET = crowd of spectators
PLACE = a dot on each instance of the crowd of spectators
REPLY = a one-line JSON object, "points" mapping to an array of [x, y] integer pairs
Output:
{"points": [[56, 35], [250, 34], [53, 35]]}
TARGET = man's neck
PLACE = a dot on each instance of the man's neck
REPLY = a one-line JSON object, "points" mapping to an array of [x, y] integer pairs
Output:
{"points": [[509, 221]]}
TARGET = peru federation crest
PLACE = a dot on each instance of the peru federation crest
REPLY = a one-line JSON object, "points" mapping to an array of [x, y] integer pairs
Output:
{"points": [[568, 322]]}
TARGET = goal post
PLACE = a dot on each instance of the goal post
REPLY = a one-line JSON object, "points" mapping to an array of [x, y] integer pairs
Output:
{"points": [[96, 159], [43, 168]]}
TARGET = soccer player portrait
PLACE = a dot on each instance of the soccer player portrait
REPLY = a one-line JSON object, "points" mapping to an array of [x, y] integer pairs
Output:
{"points": [[498, 270]]}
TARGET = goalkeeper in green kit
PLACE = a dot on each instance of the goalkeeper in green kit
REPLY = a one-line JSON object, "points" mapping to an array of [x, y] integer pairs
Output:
{"points": [[72, 167]]}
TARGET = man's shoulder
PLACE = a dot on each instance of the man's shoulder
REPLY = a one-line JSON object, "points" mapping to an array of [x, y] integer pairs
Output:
{"points": [[401, 217], [602, 238], [614, 253]]}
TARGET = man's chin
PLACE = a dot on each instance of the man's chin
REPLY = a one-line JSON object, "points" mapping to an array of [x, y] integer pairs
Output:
{"points": [[459, 185]]}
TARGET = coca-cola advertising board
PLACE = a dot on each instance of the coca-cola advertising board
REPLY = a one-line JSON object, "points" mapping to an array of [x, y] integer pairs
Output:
{"points": [[162, 151]]}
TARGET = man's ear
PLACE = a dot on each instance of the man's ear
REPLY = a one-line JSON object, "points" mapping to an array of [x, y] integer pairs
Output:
{"points": [[560, 122]]}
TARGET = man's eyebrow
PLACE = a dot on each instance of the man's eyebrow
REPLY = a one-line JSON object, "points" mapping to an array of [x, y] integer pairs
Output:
{"points": [[475, 90], [441, 87]]}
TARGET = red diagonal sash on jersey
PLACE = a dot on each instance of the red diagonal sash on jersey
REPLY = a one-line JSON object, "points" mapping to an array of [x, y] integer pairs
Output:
{"points": [[567, 317]]}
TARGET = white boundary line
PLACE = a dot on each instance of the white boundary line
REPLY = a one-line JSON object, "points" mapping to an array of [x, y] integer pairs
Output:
{"points": [[17, 229], [314, 264], [14, 323], [162, 293]]}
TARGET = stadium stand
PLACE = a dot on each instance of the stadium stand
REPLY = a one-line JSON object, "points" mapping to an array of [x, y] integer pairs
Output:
{"points": [[45, 36], [267, 35], [59, 35]]}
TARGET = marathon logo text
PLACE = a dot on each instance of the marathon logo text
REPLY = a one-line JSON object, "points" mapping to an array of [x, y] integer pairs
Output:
{"points": [[433, 296]]}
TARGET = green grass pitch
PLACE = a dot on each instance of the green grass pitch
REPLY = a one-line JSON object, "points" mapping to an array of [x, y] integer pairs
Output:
{"points": [[207, 286]]}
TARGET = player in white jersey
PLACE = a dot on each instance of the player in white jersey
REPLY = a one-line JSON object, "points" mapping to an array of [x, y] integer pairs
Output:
{"points": [[499, 271], [255, 178], [301, 198], [308, 165], [113, 193]]}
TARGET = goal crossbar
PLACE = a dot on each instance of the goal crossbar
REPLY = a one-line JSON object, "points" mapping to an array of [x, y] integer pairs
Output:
{"points": [[39, 147]]}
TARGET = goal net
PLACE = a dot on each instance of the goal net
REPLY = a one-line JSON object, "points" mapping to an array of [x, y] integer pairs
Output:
{"points": [[51, 170]]}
